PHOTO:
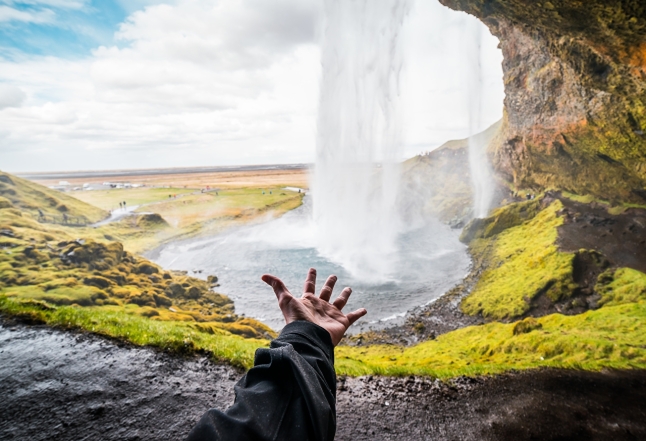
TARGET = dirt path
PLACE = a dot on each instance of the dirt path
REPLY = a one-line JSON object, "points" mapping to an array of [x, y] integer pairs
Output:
{"points": [[64, 386]]}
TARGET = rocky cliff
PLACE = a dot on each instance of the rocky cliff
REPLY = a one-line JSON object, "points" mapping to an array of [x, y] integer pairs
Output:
{"points": [[575, 84]]}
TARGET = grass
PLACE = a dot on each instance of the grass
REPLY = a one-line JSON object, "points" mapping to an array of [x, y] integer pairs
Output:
{"points": [[40, 262], [623, 285], [178, 337], [204, 207], [523, 262], [109, 199], [199, 214], [611, 337], [614, 209], [29, 197]]}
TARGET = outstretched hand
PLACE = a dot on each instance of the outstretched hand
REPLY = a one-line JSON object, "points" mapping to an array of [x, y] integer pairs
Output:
{"points": [[316, 309]]}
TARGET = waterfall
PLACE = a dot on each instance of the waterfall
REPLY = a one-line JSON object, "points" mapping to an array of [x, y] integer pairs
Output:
{"points": [[358, 148], [481, 173]]}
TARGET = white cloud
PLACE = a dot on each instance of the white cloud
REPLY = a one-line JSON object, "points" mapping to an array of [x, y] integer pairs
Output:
{"points": [[197, 82], [11, 96], [8, 14]]}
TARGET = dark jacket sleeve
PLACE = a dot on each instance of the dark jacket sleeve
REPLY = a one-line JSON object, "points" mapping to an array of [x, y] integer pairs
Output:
{"points": [[289, 394]]}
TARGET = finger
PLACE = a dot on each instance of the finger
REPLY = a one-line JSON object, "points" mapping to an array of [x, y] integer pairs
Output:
{"points": [[279, 287], [310, 282], [340, 301], [356, 315], [326, 291]]}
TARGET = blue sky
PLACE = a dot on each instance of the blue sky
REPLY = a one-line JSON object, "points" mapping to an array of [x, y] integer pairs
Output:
{"points": [[58, 28], [100, 84]]}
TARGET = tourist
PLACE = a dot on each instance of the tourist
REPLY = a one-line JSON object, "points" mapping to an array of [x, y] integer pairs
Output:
{"points": [[290, 393]]}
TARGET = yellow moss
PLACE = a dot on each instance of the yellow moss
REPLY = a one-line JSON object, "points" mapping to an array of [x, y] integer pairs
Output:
{"points": [[79, 295], [611, 337], [523, 262], [624, 285], [5, 203]]}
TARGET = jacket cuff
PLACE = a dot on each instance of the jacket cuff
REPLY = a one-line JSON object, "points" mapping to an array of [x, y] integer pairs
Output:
{"points": [[315, 334]]}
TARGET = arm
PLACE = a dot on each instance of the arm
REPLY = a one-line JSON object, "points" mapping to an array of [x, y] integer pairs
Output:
{"points": [[290, 392]]}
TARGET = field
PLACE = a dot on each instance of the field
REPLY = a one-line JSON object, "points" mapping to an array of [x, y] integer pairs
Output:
{"points": [[110, 199], [196, 180], [175, 205]]}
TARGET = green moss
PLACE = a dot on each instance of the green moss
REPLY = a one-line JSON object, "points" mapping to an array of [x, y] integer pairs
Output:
{"points": [[523, 263], [624, 285], [527, 325], [612, 209], [171, 336], [611, 337], [95, 273], [500, 220], [72, 295]]}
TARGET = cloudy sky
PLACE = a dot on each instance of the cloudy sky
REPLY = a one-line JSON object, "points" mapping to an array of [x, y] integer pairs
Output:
{"points": [[112, 84]]}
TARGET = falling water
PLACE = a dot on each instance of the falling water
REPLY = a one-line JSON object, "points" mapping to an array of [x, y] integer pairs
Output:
{"points": [[356, 177], [481, 173]]}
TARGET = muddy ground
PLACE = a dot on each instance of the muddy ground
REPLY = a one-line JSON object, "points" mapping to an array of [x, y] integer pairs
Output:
{"points": [[58, 385]]}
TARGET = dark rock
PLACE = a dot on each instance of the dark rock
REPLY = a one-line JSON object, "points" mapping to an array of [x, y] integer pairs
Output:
{"points": [[175, 290], [7, 232]]}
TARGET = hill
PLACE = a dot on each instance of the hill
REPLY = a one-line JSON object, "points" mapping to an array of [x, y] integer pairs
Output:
{"points": [[30, 197], [439, 183]]}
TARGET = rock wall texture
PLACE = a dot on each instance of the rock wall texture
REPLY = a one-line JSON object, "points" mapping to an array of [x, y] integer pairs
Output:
{"points": [[575, 84]]}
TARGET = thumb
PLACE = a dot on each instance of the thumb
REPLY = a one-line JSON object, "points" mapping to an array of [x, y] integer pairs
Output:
{"points": [[279, 287]]}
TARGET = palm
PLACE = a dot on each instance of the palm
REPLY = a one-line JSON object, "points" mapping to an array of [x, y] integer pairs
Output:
{"points": [[313, 308]]}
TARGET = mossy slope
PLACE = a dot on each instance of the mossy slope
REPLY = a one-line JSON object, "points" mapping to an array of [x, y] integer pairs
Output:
{"points": [[523, 262], [46, 264], [31, 197]]}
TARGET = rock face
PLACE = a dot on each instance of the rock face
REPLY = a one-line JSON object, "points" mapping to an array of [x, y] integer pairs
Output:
{"points": [[575, 84]]}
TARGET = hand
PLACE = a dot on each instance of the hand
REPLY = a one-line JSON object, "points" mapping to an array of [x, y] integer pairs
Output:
{"points": [[315, 309]]}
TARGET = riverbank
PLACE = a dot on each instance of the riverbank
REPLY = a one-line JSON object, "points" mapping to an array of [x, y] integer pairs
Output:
{"points": [[73, 385]]}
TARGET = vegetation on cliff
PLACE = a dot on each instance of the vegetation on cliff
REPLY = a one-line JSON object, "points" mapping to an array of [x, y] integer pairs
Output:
{"points": [[523, 262]]}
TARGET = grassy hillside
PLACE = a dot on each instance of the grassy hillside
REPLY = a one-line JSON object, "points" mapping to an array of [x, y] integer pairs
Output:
{"points": [[31, 197], [47, 265]]}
